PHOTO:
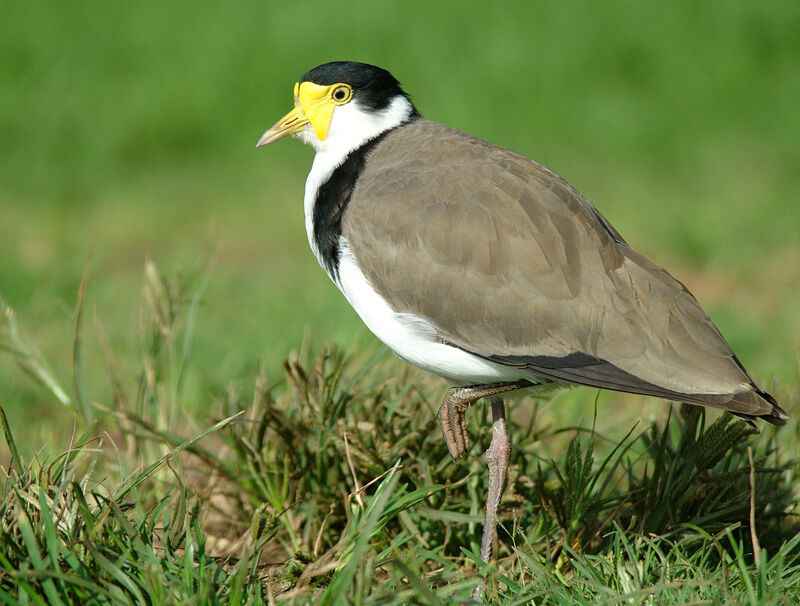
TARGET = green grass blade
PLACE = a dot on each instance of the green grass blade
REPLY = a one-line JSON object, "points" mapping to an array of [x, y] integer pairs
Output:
{"points": [[136, 479], [16, 459], [340, 584]]}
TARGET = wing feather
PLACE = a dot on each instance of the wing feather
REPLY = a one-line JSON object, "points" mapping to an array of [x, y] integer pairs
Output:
{"points": [[506, 260]]}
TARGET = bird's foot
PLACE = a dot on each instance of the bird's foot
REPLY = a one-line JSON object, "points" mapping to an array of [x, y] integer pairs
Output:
{"points": [[452, 412], [452, 420]]}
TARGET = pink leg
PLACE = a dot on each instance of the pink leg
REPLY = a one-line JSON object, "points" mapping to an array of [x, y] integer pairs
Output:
{"points": [[497, 457]]}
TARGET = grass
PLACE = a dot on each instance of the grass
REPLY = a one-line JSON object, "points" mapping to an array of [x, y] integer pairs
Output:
{"points": [[129, 130], [333, 486], [128, 135]]}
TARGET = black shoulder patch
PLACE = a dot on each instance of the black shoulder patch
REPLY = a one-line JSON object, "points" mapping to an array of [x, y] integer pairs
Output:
{"points": [[332, 199]]}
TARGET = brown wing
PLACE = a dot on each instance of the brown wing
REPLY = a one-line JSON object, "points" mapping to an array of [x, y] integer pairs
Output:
{"points": [[506, 260]]}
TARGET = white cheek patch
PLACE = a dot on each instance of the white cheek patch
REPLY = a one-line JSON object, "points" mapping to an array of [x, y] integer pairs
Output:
{"points": [[352, 125]]}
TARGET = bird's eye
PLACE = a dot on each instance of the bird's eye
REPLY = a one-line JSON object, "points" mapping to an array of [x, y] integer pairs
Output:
{"points": [[342, 94]]}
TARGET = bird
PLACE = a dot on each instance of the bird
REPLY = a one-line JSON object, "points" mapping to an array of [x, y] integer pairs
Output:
{"points": [[481, 266]]}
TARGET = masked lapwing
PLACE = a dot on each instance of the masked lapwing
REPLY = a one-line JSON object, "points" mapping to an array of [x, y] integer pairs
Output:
{"points": [[486, 268]]}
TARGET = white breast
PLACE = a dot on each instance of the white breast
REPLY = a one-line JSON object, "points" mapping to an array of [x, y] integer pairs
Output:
{"points": [[321, 170]]}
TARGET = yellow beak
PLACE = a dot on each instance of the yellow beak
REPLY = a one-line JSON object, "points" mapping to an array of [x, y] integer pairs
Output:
{"points": [[312, 105], [291, 123]]}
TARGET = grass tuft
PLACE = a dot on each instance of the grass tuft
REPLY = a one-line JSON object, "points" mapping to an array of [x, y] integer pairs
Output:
{"points": [[333, 486]]}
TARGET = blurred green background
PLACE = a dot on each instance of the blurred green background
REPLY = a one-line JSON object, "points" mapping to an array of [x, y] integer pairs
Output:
{"points": [[128, 132]]}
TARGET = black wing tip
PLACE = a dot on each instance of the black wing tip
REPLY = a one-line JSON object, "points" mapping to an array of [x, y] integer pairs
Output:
{"points": [[776, 416], [583, 369]]}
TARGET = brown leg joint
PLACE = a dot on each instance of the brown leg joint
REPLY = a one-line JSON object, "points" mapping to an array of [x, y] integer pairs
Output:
{"points": [[454, 407]]}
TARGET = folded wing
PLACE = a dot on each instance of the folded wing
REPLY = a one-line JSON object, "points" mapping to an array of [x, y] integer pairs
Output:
{"points": [[507, 261]]}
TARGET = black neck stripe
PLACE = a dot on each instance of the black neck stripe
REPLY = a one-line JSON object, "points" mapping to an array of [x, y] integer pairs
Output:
{"points": [[331, 202]]}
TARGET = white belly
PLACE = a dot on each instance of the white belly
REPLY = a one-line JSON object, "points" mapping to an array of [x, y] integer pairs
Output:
{"points": [[412, 338]]}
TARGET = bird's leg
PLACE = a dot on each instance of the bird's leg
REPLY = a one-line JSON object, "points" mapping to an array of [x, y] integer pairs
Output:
{"points": [[455, 404], [497, 457], [451, 418]]}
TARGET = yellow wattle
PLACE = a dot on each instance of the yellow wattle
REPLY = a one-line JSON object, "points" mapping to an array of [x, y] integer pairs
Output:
{"points": [[317, 105]]}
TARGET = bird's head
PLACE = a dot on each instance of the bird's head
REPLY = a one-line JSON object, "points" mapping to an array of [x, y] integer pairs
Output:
{"points": [[342, 104]]}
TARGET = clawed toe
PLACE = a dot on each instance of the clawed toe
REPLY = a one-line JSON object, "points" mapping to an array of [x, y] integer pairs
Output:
{"points": [[452, 419]]}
